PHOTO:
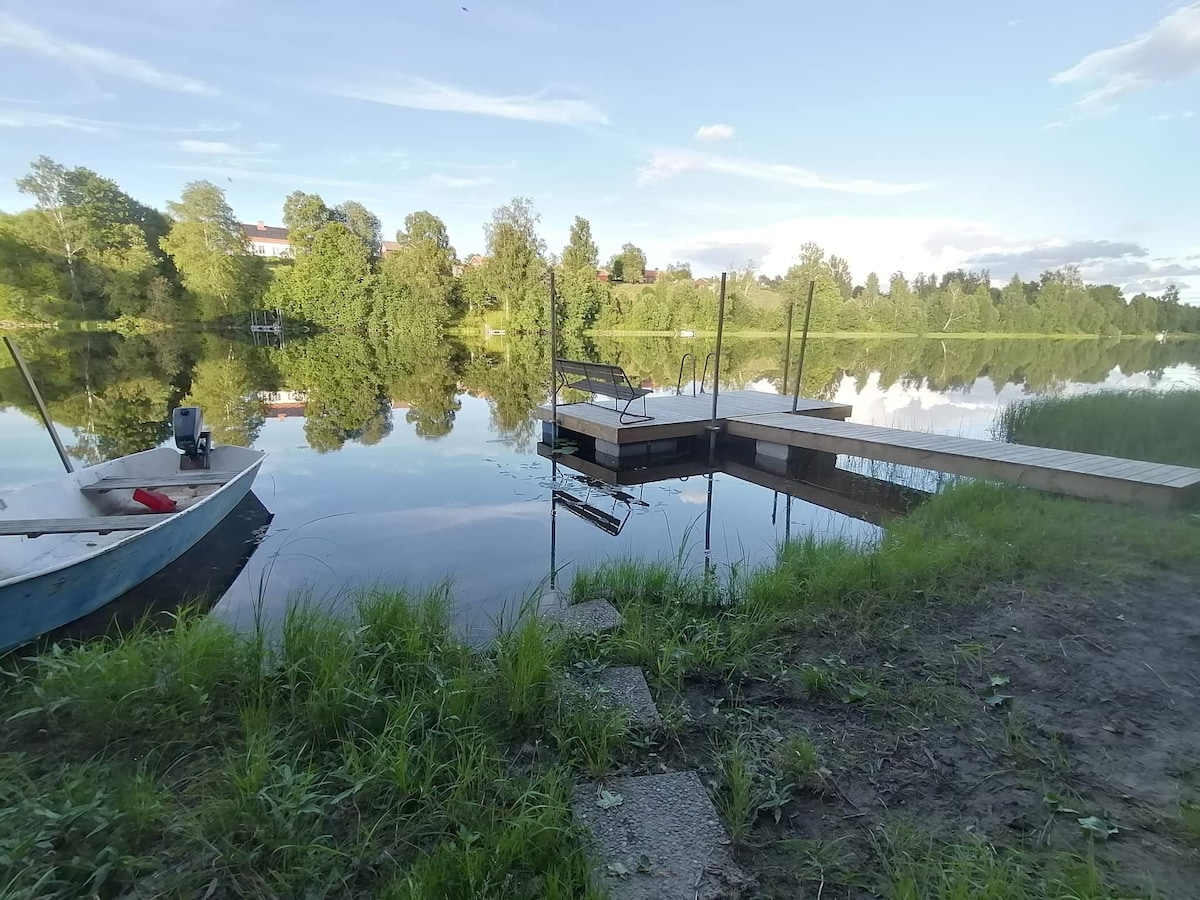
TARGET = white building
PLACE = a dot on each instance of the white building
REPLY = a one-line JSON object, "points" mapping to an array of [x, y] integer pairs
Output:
{"points": [[267, 240]]}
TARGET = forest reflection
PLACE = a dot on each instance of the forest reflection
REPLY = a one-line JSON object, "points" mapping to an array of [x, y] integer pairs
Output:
{"points": [[115, 391]]}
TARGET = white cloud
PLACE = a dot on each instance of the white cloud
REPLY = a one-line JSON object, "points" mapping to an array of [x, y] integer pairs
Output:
{"points": [[716, 132], [224, 148], [420, 93], [1167, 117], [667, 164], [912, 244], [16, 34], [1167, 52], [437, 179], [27, 119]]}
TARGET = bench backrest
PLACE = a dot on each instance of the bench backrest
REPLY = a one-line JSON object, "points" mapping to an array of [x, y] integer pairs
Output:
{"points": [[599, 372]]}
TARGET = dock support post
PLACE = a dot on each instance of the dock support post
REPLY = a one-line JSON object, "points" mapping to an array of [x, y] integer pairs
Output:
{"points": [[553, 366], [787, 347], [803, 344], [712, 426]]}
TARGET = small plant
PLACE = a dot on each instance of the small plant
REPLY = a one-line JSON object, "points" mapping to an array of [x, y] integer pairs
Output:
{"points": [[740, 796], [589, 733], [800, 762], [819, 681]]}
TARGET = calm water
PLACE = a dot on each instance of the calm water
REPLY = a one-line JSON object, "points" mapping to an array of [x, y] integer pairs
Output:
{"points": [[407, 462]]}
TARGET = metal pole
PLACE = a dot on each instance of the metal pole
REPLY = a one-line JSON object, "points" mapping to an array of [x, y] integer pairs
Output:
{"points": [[553, 367], [787, 347], [41, 404], [712, 426], [708, 527], [803, 345]]}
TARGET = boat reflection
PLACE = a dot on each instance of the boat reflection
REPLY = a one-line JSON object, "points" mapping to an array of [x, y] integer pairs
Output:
{"points": [[197, 579]]}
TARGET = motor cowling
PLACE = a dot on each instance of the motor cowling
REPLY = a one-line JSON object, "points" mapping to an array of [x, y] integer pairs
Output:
{"points": [[187, 423]]}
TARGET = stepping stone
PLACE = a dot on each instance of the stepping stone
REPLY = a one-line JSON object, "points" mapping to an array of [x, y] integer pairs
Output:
{"points": [[658, 836], [590, 617], [623, 688]]}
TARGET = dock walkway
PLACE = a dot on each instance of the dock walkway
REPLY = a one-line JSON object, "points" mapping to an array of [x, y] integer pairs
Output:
{"points": [[1058, 471], [682, 416]]}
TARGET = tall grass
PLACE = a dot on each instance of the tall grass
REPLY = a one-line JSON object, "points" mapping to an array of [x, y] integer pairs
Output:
{"points": [[1159, 427], [677, 621], [365, 757]]}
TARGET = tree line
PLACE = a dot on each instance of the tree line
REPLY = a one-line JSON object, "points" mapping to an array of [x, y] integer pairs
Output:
{"points": [[86, 249], [355, 389]]}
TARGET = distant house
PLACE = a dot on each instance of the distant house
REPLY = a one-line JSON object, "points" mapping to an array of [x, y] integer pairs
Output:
{"points": [[603, 275], [390, 247], [267, 240], [650, 276], [284, 404]]}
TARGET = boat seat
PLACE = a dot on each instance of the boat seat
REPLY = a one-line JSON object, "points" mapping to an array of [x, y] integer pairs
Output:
{"points": [[98, 524], [183, 479]]}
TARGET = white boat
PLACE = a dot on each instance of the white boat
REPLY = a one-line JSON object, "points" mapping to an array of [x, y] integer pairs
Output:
{"points": [[73, 544]]}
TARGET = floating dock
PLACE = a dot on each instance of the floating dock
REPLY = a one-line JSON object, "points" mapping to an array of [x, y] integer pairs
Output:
{"points": [[818, 427]]}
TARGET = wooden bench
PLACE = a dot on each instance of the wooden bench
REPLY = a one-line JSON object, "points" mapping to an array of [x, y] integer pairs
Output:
{"points": [[183, 479], [97, 524], [605, 380]]}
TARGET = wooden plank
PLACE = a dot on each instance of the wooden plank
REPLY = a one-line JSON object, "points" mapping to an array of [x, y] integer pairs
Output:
{"points": [[183, 479], [97, 524], [1062, 471]]}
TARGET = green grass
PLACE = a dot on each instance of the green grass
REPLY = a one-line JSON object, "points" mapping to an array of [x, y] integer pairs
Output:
{"points": [[676, 622], [919, 867], [364, 758], [1159, 427]]}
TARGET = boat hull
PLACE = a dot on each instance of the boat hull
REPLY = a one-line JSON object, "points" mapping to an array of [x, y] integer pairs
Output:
{"points": [[41, 603]]}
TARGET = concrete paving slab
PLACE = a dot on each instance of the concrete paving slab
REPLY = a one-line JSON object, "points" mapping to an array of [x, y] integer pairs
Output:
{"points": [[589, 617], [624, 688], [658, 836]]}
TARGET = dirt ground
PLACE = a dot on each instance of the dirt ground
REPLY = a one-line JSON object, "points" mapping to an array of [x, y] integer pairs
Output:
{"points": [[1008, 720]]}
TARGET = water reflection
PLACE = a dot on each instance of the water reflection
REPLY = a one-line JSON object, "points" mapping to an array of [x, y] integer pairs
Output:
{"points": [[411, 460]]}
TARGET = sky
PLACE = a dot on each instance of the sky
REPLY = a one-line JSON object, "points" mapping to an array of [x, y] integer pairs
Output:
{"points": [[920, 136]]}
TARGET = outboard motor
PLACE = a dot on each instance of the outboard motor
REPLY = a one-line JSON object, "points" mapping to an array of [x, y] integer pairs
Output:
{"points": [[190, 437]]}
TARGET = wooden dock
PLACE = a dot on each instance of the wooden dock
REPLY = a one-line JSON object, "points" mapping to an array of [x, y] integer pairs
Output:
{"points": [[1058, 471], [681, 416]]}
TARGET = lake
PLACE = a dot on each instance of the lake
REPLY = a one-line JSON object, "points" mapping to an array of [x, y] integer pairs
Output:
{"points": [[411, 461]]}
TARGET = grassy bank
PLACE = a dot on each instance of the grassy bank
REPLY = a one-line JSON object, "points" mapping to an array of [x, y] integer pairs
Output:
{"points": [[378, 759], [1159, 427], [385, 758]]}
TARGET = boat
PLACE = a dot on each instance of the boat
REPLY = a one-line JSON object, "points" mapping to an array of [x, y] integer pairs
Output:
{"points": [[71, 545]]}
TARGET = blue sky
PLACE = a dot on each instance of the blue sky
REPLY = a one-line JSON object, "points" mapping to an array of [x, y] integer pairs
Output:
{"points": [[918, 136]]}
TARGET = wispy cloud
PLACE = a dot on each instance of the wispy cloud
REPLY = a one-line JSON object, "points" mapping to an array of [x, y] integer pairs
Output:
{"points": [[667, 164], [713, 133], [419, 93], [20, 36], [224, 148], [1167, 52], [1167, 117], [231, 172], [29, 118], [437, 179]]}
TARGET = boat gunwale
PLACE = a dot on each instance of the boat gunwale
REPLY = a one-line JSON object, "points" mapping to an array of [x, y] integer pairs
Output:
{"points": [[133, 535]]}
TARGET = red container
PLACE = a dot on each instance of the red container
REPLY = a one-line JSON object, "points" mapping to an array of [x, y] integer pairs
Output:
{"points": [[155, 501]]}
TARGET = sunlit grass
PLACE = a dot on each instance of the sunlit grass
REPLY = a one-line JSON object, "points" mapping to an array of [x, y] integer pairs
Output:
{"points": [[366, 757], [1156, 426]]}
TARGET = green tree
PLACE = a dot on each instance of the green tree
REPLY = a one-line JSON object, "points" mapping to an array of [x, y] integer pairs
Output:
{"points": [[54, 195], [211, 252], [633, 264], [362, 223], [582, 295], [516, 264], [417, 286], [303, 216], [31, 289], [827, 291], [225, 390], [332, 285]]}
